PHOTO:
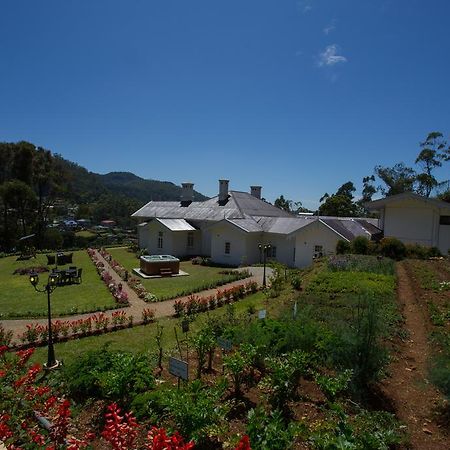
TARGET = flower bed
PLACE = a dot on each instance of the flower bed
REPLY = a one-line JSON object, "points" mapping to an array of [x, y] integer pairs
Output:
{"points": [[28, 397], [116, 289], [195, 304], [36, 334]]}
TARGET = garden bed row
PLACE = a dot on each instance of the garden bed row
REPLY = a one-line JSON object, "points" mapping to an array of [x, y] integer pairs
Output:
{"points": [[116, 290], [195, 304]]}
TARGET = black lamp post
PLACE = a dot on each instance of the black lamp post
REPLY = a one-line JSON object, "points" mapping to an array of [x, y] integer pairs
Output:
{"points": [[264, 248], [52, 283]]}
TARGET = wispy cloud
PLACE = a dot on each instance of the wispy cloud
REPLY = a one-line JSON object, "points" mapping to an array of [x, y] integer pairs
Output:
{"points": [[329, 57], [305, 6], [330, 28]]}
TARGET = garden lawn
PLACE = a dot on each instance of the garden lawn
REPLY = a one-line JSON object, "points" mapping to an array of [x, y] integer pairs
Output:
{"points": [[142, 338], [19, 299], [172, 287]]}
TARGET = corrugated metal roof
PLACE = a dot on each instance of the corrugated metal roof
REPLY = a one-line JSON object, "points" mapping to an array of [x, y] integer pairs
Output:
{"points": [[176, 224], [283, 225], [238, 206]]}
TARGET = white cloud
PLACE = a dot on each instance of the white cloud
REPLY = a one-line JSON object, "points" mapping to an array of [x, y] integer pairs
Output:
{"points": [[305, 6], [329, 56], [327, 30]]}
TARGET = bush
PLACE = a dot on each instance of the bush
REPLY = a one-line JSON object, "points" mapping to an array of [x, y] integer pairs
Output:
{"points": [[296, 282], [107, 374], [343, 247], [268, 431], [197, 411], [440, 374], [53, 239], [392, 248], [360, 245]]}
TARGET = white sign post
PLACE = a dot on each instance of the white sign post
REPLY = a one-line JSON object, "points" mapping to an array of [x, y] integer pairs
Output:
{"points": [[262, 314]]}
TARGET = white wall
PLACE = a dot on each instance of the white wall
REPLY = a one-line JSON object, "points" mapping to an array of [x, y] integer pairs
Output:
{"points": [[444, 239], [148, 238], [180, 240], [412, 222], [222, 233], [308, 237], [285, 247]]}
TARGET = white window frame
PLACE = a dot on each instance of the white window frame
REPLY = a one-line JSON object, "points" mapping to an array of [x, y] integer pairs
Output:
{"points": [[190, 239], [160, 240]]}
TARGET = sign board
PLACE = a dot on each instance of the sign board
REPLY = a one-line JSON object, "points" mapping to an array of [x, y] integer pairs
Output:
{"points": [[262, 314], [295, 310], [179, 368], [224, 344], [185, 326]]}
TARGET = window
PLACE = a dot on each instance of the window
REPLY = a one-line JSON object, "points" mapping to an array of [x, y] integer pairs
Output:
{"points": [[293, 255], [272, 251], [190, 239], [160, 239], [318, 251], [227, 248], [444, 220]]}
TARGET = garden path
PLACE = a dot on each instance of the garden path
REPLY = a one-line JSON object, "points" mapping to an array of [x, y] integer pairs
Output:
{"points": [[414, 398], [137, 305]]}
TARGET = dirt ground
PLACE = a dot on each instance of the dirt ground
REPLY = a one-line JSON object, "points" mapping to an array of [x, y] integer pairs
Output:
{"points": [[414, 399]]}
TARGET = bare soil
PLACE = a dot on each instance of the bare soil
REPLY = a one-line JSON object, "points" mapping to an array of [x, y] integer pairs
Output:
{"points": [[414, 399]]}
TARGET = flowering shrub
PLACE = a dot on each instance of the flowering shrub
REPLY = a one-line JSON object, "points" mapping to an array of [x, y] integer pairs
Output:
{"points": [[195, 303], [148, 315], [5, 336], [36, 334]]}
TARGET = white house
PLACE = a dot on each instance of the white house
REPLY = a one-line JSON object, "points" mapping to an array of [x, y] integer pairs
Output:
{"points": [[231, 228], [415, 219]]}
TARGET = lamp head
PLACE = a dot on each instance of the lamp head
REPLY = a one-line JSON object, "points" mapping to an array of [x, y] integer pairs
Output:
{"points": [[34, 278], [53, 279]]}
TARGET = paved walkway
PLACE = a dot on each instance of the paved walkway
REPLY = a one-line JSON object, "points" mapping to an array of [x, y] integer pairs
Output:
{"points": [[162, 309]]}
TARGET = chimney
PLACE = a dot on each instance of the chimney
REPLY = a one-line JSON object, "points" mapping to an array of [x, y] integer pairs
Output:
{"points": [[223, 190], [187, 192], [255, 191]]}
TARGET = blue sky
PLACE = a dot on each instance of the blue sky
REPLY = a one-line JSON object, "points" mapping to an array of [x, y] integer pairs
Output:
{"points": [[297, 96]]}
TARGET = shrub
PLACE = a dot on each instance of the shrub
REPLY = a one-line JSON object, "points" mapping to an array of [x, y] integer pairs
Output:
{"points": [[107, 374], [268, 431], [343, 247], [283, 376], [197, 411], [5, 336], [392, 248], [440, 374], [296, 282], [237, 364], [53, 239], [360, 245]]}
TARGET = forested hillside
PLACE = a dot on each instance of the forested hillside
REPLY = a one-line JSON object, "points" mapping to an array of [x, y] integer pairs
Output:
{"points": [[37, 185]]}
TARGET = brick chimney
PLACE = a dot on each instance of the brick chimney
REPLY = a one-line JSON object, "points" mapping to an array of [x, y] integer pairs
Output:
{"points": [[255, 191]]}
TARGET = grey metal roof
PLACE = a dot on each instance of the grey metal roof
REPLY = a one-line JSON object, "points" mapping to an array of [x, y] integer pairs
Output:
{"points": [[284, 225], [239, 205], [380, 203], [176, 224], [350, 228]]}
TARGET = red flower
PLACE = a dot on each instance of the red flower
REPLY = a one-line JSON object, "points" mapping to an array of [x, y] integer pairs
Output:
{"points": [[244, 443]]}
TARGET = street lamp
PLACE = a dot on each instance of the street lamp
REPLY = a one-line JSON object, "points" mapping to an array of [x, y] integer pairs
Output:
{"points": [[264, 248], [52, 283]]}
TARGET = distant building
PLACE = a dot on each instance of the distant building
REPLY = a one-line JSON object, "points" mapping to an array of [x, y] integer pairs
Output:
{"points": [[231, 227], [415, 219], [108, 223]]}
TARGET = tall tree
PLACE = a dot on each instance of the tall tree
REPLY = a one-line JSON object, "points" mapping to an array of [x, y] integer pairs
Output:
{"points": [[369, 189], [290, 205], [341, 203], [434, 151], [397, 179]]}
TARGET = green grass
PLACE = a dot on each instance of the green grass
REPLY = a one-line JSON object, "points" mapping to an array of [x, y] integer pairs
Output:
{"points": [[142, 338], [86, 234], [19, 299], [352, 282], [175, 286]]}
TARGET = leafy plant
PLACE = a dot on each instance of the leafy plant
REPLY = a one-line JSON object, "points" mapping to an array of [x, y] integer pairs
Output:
{"points": [[197, 410], [269, 431], [237, 364]]}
